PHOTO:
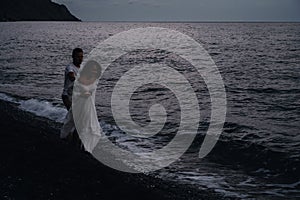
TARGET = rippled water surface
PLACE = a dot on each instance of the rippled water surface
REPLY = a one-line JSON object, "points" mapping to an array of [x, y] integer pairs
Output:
{"points": [[258, 153]]}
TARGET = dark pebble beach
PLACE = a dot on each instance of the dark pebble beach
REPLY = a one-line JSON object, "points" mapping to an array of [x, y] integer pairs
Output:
{"points": [[37, 164]]}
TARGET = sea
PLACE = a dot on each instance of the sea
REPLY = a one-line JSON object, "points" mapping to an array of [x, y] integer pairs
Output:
{"points": [[258, 153]]}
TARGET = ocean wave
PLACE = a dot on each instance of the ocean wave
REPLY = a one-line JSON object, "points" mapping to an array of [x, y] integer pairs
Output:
{"points": [[257, 161], [5, 97], [245, 151], [273, 90], [41, 108], [44, 109]]}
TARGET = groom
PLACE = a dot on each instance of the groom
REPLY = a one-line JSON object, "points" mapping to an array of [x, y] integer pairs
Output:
{"points": [[71, 71]]}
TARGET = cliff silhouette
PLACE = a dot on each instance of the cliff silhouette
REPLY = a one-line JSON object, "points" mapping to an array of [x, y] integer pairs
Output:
{"points": [[34, 10]]}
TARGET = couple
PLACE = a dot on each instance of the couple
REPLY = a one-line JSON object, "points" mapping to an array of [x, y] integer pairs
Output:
{"points": [[81, 101]]}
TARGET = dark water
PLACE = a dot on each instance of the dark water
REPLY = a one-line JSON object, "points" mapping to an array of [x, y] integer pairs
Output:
{"points": [[258, 154]]}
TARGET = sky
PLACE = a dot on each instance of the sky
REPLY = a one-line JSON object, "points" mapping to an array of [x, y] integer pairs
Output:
{"points": [[184, 10]]}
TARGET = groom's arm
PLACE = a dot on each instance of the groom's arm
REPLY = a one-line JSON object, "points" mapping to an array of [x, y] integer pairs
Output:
{"points": [[71, 76]]}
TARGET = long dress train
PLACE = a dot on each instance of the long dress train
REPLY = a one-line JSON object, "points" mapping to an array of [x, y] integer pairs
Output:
{"points": [[85, 115]]}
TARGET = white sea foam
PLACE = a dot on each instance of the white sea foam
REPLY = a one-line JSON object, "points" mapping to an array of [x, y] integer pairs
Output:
{"points": [[41, 108], [44, 109], [5, 97]]}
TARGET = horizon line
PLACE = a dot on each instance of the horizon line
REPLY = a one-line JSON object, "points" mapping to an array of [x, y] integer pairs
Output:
{"points": [[167, 21], [187, 21]]}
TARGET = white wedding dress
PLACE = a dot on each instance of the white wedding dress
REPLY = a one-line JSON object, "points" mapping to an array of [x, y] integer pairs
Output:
{"points": [[85, 115]]}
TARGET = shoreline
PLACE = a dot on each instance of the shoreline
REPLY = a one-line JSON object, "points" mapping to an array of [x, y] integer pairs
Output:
{"points": [[36, 164]]}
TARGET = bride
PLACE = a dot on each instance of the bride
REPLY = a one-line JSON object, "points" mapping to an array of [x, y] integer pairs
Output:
{"points": [[83, 107]]}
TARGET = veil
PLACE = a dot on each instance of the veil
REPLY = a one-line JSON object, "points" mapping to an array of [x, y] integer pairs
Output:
{"points": [[85, 114]]}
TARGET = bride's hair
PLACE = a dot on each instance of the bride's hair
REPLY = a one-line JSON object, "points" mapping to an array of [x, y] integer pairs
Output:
{"points": [[87, 69]]}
